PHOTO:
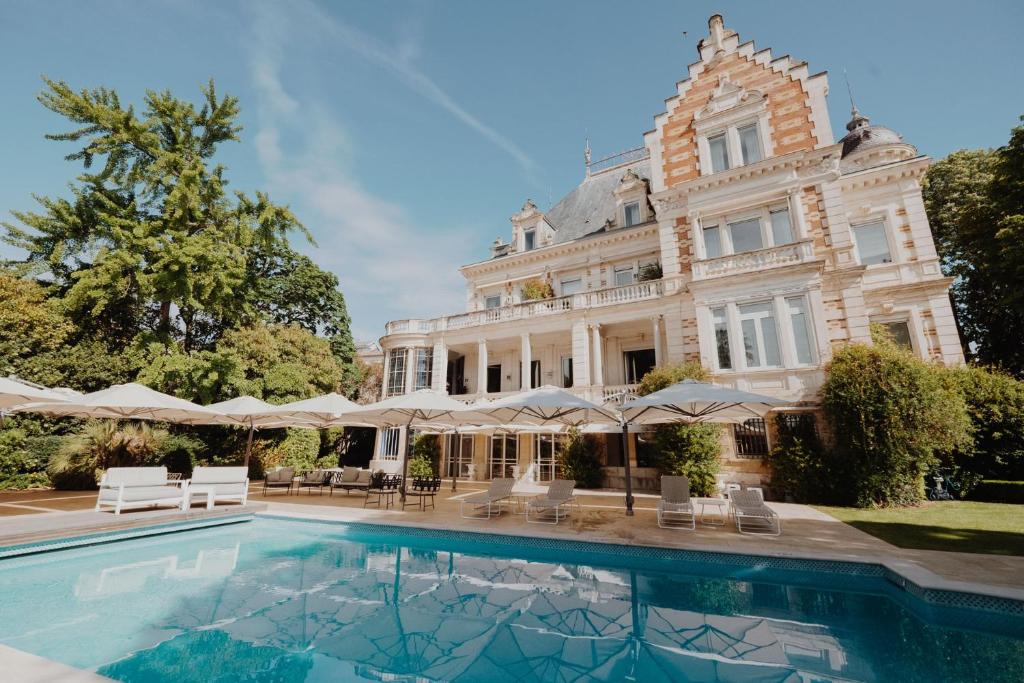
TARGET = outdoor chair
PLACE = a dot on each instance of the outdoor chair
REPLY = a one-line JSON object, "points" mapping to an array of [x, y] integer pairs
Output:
{"points": [[383, 487], [675, 511], [489, 501], [279, 479], [752, 516], [123, 487], [218, 483], [555, 503], [316, 479], [422, 490], [351, 479]]}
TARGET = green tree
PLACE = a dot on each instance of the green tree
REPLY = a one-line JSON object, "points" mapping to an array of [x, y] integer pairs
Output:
{"points": [[30, 323], [578, 461], [975, 204]]}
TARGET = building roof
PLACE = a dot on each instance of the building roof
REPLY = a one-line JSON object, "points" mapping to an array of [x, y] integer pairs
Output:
{"points": [[864, 136], [586, 209]]}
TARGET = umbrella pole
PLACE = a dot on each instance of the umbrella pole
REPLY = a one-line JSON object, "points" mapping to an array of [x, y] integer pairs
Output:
{"points": [[248, 446], [455, 470], [629, 476], [405, 460]]}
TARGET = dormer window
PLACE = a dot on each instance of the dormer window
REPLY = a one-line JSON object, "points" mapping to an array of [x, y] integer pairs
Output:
{"points": [[529, 240], [750, 143], [732, 129], [632, 213], [719, 153]]}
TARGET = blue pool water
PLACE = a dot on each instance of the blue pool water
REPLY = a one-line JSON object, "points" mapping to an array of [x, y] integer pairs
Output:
{"points": [[283, 601]]}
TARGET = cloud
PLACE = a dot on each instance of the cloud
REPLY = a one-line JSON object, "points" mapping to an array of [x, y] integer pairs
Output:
{"points": [[388, 266]]}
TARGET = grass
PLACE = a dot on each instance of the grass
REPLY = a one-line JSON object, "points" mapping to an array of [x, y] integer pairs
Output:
{"points": [[956, 526]]}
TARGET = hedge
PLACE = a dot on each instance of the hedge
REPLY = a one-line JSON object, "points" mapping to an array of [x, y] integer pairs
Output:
{"points": [[999, 491]]}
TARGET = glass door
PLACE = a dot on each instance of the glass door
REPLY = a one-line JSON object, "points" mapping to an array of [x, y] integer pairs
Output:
{"points": [[546, 449], [504, 455], [458, 455]]}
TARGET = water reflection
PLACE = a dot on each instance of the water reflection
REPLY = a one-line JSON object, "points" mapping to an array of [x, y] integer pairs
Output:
{"points": [[286, 605]]}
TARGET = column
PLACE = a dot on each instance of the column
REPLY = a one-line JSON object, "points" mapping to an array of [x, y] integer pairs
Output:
{"points": [[784, 332], [384, 382], [598, 355], [796, 214], [410, 370], [439, 371], [526, 358], [659, 354], [481, 367], [580, 355]]}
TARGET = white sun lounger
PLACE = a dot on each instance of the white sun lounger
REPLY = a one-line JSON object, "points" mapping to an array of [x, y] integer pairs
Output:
{"points": [[124, 487], [675, 511], [488, 502], [556, 500], [219, 484], [752, 515]]}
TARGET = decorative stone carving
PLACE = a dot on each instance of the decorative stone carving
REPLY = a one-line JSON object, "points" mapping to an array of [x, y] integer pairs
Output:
{"points": [[827, 166], [727, 96]]}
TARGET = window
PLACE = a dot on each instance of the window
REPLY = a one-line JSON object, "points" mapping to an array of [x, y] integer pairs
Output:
{"points": [[750, 143], [534, 373], [623, 275], [529, 240], [782, 230], [719, 153], [459, 455], [632, 211], [760, 340], [572, 286], [638, 364], [800, 319], [493, 379], [746, 235], [493, 301], [899, 332], [751, 438], [424, 369], [566, 371], [721, 325], [504, 455], [712, 241], [396, 372], [546, 450], [389, 443], [872, 244]]}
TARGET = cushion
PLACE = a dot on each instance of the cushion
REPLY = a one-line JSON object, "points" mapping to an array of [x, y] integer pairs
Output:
{"points": [[218, 489], [363, 477], [142, 493], [350, 474], [135, 476], [219, 475]]}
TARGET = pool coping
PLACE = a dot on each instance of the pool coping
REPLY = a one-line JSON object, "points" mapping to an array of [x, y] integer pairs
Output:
{"points": [[913, 578]]}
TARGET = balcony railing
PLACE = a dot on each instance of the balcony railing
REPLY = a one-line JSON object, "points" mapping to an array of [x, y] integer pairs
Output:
{"points": [[754, 261], [638, 291]]}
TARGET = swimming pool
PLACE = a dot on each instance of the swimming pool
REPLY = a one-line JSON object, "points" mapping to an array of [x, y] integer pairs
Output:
{"points": [[281, 600]]}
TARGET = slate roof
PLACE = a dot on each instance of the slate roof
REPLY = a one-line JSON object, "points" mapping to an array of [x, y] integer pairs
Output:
{"points": [[585, 210]]}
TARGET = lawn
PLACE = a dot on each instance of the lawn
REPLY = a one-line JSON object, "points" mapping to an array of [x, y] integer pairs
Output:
{"points": [[958, 526]]}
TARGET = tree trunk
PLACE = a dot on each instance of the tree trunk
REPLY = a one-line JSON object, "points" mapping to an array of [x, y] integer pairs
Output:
{"points": [[165, 317]]}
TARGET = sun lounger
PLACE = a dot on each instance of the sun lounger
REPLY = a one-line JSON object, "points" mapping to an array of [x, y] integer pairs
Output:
{"points": [[279, 479], [752, 515], [123, 487], [489, 501], [351, 479], [219, 484], [553, 503], [675, 511]]}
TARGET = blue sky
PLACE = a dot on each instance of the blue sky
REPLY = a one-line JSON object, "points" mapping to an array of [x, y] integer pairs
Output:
{"points": [[405, 133]]}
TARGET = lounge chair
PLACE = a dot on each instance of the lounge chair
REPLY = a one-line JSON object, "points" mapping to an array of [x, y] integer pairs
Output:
{"points": [[489, 500], [317, 479], [752, 515], [557, 500], [423, 489], [279, 479], [382, 488], [675, 511], [219, 483], [123, 487], [351, 479]]}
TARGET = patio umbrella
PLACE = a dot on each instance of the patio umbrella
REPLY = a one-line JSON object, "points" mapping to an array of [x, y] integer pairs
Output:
{"points": [[329, 410], [251, 412], [125, 401], [419, 407], [15, 393], [546, 406], [693, 401]]}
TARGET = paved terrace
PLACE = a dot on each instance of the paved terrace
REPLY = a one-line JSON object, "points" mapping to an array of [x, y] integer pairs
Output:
{"points": [[806, 533]]}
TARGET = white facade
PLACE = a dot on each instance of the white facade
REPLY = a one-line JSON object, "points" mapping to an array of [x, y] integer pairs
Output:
{"points": [[740, 236]]}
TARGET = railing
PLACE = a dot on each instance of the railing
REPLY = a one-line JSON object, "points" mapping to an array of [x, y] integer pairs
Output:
{"points": [[627, 157], [614, 393], [753, 261], [639, 291]]}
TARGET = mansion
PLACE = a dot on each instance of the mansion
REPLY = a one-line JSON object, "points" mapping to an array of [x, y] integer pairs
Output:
{"points": [[742, 235]]}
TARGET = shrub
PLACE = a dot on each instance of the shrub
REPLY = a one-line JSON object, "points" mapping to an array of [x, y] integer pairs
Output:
{"points": [[660, 378], [420, 467], [692, 450], [995, 403], [892, 416], [997, 491], [537, 289], [798, 460], [179, 453], [101, 445], [648, 272], [578, 460], [299, 449], [425, 453]]}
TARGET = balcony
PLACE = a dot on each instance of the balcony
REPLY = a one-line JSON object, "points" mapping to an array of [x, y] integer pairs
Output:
{"points": [[638, 291], [754, 261]]}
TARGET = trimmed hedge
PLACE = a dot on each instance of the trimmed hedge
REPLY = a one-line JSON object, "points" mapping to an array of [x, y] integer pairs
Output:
{"points": [[999, 491]]}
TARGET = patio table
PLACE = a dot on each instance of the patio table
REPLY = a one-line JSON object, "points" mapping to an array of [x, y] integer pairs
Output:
{"points": [[717, 518]]}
